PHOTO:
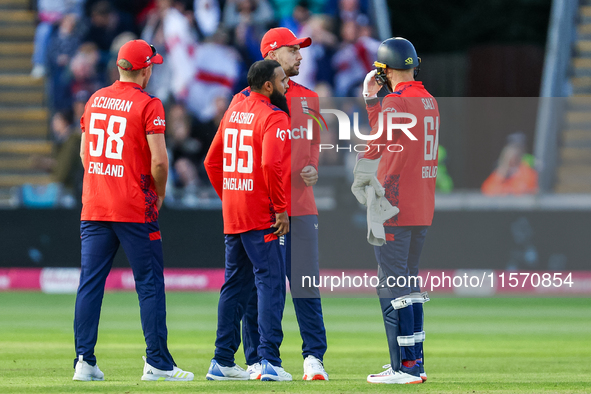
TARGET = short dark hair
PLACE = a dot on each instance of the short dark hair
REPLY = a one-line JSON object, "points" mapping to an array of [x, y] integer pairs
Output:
{"points": [[261, 72]]}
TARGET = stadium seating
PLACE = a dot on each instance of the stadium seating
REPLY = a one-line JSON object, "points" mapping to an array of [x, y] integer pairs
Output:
{"points": [[23, 114]]}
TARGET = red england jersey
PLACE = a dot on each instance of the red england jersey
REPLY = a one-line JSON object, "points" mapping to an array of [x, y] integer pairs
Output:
{"points": [[304, 136], [245, 164], [118, 184], [408, 168]]}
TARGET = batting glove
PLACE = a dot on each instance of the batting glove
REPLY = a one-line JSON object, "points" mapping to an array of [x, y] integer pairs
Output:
{"points": [[365, 174]]}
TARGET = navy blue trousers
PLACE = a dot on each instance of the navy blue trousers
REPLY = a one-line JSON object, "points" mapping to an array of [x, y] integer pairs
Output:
{"points": [[100, 242], [255, 261], [301, 260], [400, 259]]}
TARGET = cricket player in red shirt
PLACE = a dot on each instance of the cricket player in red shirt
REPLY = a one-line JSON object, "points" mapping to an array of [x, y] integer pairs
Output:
{"points": [[246, 166], [125, 171], [405, 161], [282, 45]]}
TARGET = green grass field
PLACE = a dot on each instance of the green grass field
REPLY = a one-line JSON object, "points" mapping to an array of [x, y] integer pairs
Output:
{"points": [[474, 345]]}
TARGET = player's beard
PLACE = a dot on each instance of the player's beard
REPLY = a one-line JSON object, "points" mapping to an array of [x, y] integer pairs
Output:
{"points": [[279, 100], [292, 71]]}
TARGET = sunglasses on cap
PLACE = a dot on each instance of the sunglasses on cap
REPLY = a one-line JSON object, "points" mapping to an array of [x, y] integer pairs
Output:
{"points": [[154, 53]]}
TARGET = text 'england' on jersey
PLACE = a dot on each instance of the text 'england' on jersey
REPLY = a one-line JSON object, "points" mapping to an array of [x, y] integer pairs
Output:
{"points": [[118, 184], [245, 164]]}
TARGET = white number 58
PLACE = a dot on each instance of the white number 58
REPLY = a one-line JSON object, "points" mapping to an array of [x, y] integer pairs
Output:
{"points": [[114, 145]]}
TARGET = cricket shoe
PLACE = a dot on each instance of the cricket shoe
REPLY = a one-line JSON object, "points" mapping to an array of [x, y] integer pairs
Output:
{"points": [[273, 373], [174, 375], [393, 377], [314, 369], [255, 371], [415, 370], [219, 372], [422, 370], [86, 372]]}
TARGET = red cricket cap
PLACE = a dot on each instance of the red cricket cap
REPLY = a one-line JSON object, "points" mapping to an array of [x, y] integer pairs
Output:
{"points": [[139, 53], [281, 37]]}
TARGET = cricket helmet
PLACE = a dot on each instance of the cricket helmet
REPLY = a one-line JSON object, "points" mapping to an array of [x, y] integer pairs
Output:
{"points": [[397, 53]]}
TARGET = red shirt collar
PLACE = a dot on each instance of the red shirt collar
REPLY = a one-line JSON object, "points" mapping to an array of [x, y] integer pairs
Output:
{"points": [[259, 96], [126, 84], [400, 85]]}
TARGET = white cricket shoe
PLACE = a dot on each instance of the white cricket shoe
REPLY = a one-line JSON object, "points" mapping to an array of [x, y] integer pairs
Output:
{"points": [[175, 375], [255, 371], [219, 372], [273, 373], [86, 372], [393, 377], [314, 369]]}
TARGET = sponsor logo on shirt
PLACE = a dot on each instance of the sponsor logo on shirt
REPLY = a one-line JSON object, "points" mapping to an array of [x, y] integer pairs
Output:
{"points": [[281, 134], [159, 122], [300, 132]]}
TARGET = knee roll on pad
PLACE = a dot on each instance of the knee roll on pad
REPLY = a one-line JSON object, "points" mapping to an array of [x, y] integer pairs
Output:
{"points": [[419, 298], [419, 336], [406, 340], [402, 302]]}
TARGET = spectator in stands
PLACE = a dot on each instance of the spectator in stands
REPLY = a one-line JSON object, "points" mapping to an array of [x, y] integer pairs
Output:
{"points": [[62, 47], [105, 25], [298, 18], [184, 149], [153, 32], [204, 132], [48, 13], [514, 174], [211, 80], [315, 58], [180, 41], [84, 69], [249, 20], [64, 163], [349, 10], [207, 16], [355, 58]]}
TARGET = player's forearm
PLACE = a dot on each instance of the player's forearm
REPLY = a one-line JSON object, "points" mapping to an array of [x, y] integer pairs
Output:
{"points": [[314, 155], [160, 175], [82, 147]]}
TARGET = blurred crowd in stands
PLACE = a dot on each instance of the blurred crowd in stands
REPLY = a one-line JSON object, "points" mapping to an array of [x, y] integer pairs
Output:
{"points": [[207, 45]]}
